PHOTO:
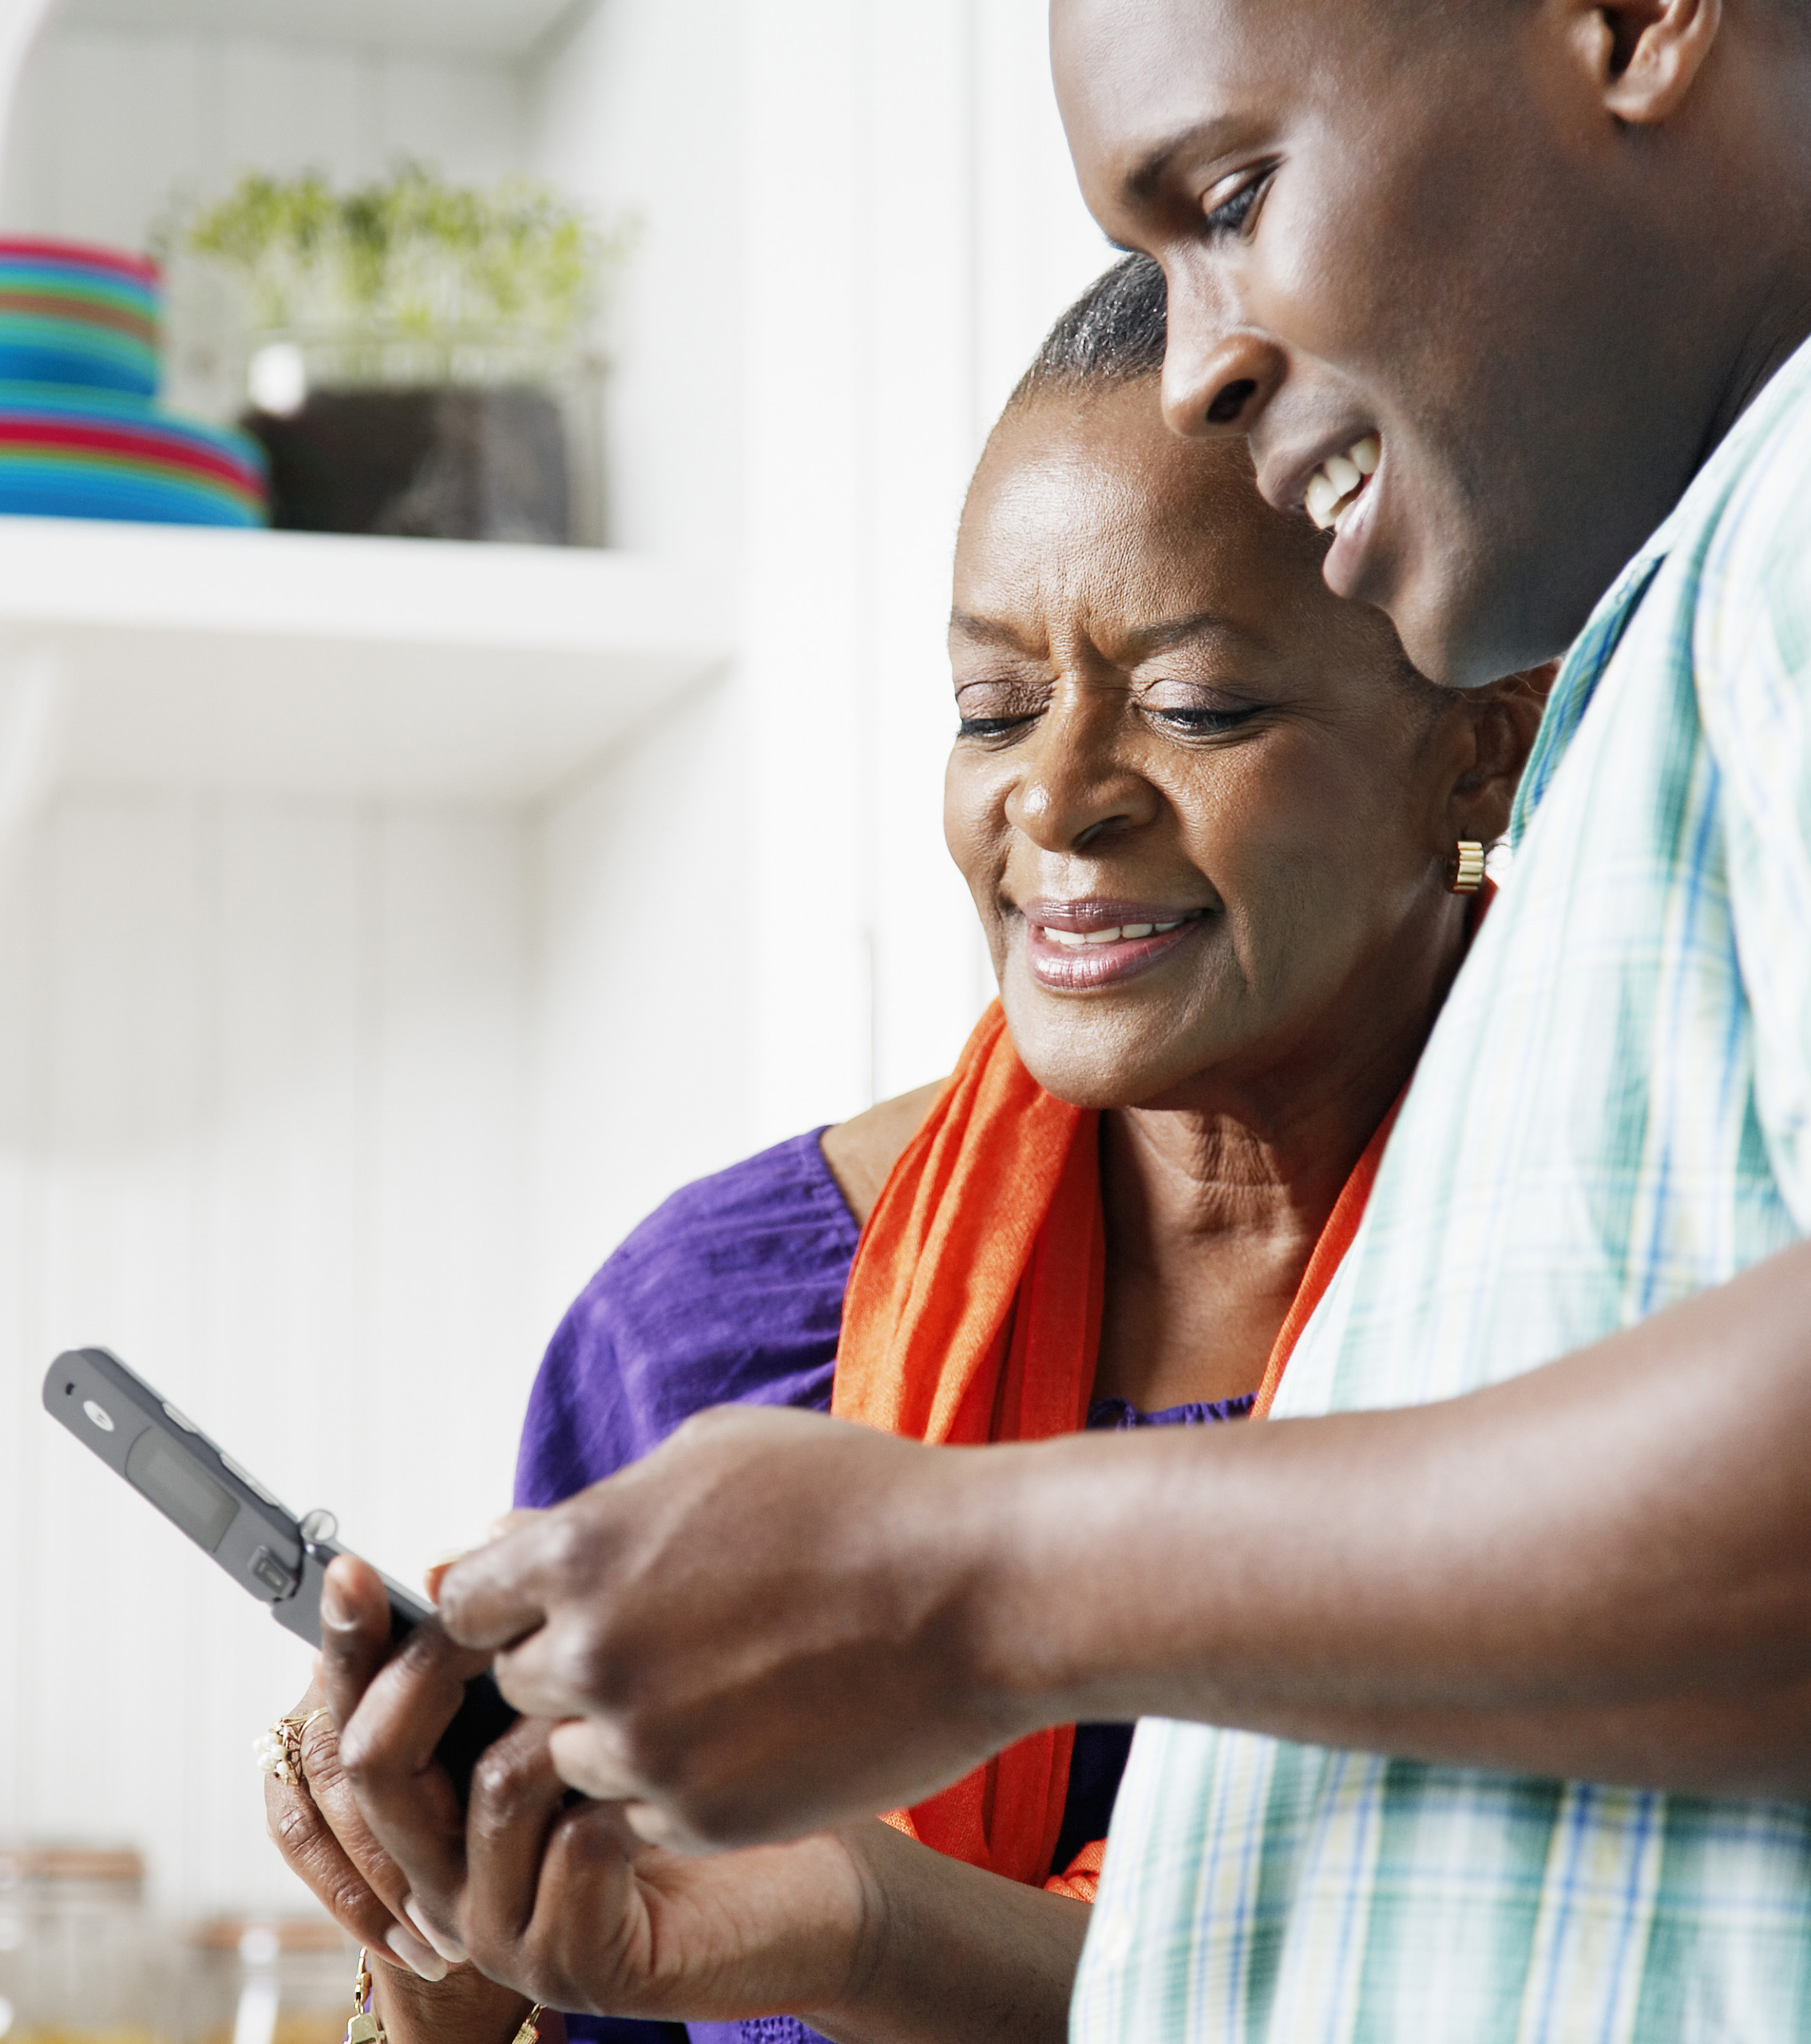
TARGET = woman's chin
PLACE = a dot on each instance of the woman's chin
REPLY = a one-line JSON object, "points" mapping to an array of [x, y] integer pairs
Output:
{"points": [[1096, 1054]]}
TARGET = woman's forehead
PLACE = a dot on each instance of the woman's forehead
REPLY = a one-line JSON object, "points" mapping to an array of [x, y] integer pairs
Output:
{"points": [[1085, 490]]}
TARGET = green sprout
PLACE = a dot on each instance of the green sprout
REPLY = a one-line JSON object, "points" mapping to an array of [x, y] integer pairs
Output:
{"points": [[442, 268]]}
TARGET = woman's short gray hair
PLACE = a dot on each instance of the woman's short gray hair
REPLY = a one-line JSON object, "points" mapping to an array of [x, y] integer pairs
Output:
{"points": [[1114, 333]]}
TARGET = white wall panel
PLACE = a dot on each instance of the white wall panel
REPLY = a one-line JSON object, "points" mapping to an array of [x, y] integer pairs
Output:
{"points": [[262, 1130], [112, 123], [638, 109], [645, 1003]]}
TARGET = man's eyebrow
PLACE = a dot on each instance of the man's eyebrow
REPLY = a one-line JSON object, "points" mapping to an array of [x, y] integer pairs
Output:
{"points": [[1202, 137]]}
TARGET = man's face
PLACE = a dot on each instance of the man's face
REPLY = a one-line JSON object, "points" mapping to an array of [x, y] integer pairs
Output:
{"points": [[1407, 232]]}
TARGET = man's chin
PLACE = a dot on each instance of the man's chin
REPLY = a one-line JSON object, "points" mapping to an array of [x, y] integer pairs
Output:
{"points": [[1466, 637]]}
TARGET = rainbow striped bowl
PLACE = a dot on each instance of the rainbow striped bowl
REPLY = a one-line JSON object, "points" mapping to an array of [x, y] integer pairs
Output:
{"points": [[73, 315], [92, 454]]}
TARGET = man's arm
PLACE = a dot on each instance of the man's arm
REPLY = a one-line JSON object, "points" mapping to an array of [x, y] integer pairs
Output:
{"points": [[1602, 1569]]}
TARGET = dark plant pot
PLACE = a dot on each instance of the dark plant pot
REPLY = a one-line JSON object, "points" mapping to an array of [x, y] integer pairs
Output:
{"points": [[449, 462]]}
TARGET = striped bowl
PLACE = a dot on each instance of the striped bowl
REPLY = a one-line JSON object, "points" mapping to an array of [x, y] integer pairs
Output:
{"points": [[73, 315], [94, 455]]}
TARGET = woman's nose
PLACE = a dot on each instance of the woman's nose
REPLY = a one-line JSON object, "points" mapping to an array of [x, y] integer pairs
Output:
{"points": [[1072, 791]]}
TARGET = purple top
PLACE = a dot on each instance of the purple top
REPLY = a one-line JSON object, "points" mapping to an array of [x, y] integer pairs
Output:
{"points": [[731, 1293]]}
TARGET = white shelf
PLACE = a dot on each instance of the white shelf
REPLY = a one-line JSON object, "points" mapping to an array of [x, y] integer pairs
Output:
{"points": [[150, 656]]}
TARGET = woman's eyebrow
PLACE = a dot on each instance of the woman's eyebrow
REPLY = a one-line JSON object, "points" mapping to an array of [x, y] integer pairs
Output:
{"points": [[1143, 641], [991, 632]]}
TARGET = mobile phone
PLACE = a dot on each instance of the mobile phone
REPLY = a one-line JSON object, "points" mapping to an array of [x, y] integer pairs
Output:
{"points": [[229, 1514]]}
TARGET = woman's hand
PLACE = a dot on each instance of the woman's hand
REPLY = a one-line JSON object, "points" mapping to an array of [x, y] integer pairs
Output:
{"points": [[317, 1827], [566, 1903]]}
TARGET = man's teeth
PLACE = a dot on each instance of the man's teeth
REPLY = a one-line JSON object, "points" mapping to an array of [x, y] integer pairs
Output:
{"points": [[1333, 488], [1118, 934]]}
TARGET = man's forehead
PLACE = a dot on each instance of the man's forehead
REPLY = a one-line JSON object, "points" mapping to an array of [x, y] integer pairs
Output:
{"points": [[1134, 79], [1135, 75]]}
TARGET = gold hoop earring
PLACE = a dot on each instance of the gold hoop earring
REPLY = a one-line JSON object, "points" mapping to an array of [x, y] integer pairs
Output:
{"points": [[1464, 870]]}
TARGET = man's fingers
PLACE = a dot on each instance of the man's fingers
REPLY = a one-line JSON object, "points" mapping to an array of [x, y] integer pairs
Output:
{"points": [[488, 1598], [587, 1758], [500, 1529]]}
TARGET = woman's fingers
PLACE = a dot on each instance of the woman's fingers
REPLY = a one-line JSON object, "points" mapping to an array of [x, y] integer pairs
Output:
{"points": [[316, 1826], [392, 1713], [354, 1633]]}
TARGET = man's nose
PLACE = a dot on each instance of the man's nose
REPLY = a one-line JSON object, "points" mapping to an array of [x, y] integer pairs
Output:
{"points": [[1219, 372]]}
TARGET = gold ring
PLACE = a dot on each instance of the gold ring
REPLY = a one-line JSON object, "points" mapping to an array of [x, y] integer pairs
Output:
{"points": [[278, 1752]]}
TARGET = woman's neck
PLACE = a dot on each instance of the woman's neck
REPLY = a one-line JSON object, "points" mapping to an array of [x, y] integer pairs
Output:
{"points": [[1213, 1207]]}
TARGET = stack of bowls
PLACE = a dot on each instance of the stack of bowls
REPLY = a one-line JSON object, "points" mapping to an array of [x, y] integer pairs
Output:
{"points": [[81, 435]]}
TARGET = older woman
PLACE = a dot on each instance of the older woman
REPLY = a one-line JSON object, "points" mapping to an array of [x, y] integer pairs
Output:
{"points": [[1225, 845]]}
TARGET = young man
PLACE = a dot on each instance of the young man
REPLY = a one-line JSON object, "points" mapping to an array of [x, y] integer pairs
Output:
{"points": [[1508, 295]]}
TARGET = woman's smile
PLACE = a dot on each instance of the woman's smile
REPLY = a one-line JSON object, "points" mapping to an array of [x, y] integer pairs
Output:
{"points": [[1074, 947]]}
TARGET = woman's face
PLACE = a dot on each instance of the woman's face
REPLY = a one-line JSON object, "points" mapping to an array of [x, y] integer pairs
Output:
{"points": [[1171, 730]]}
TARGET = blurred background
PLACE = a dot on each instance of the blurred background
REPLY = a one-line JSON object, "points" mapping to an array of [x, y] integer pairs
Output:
{"points": [[388, 922]]}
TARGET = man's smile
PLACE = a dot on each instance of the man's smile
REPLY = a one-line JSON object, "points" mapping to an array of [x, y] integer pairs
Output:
{"points": [[1336, 485]]}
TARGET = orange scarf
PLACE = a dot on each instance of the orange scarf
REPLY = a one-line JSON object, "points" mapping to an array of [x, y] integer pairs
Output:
{"points": [[972, 1314]]}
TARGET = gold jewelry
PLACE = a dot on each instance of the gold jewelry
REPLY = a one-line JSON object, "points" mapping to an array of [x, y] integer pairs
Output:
{"points": [[278, 1751], [366, 2026], [1464, 870], [530, 2030]]}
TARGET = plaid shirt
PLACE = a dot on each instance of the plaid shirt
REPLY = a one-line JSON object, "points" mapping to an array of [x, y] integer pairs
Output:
{"points": [[1614, 1112]]}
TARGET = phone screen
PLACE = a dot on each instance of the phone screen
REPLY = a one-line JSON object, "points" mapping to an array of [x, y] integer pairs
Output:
{"points": [[203, 1508]]}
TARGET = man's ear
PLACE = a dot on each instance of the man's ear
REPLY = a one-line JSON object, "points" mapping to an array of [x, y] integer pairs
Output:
{"points": [[1505, 717], [1644, 55]]}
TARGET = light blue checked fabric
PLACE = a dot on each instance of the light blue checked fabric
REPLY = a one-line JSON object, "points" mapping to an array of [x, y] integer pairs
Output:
{"points": [[1615, 1112]]}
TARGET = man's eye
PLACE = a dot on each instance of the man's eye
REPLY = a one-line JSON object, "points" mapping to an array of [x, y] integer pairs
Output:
{"points": [[1230, 214]]}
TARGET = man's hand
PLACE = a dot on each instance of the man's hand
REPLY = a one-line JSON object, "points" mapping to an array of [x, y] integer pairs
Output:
{"points": [[1600, 1570], [763, 1629], [562, 1901]]}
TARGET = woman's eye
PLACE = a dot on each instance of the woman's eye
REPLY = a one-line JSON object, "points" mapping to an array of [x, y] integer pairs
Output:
{"points": [[1196, 720], [1229, 215]]}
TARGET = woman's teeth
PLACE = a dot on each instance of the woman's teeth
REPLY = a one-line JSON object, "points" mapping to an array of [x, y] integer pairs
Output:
{"points": [[1118, 934], [1333, 488]]}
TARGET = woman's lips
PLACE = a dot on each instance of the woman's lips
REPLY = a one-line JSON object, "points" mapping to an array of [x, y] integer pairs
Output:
{"points": [[1074, 946]]}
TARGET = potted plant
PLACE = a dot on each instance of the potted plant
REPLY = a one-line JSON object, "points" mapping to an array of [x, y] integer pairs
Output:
{"points": [[418, 354]]}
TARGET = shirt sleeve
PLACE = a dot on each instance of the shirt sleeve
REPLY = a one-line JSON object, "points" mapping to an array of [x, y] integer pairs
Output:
{"points": [[729, 1293], [1752, 656]]}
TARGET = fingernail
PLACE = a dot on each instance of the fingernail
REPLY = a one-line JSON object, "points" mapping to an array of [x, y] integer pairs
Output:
{"points": [[649, 1822], [449, 1948], [418, 1958], [336, 1610]]}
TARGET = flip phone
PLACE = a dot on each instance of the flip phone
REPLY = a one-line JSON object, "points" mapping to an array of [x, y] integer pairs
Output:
{"points": [[229, 1514]]}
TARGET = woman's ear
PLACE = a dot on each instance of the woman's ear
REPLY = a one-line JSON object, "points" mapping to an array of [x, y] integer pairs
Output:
{"points": [[1504, 717]]}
